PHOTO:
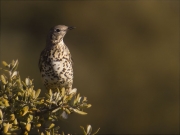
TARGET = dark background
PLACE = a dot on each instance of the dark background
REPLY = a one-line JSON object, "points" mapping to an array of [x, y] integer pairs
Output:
{"points": [[126, 58]]}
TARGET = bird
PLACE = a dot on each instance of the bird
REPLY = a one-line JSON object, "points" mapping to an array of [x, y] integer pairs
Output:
{"points": [[55, 62]]}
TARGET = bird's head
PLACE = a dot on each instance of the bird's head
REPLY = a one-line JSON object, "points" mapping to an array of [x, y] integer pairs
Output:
{"points": [[57, 34]]}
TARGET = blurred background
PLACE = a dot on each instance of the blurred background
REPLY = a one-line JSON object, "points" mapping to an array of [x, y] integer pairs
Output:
{"points": [[126, 59]]}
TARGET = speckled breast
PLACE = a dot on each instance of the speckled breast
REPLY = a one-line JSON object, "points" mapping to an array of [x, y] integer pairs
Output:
{"points": [[56, 68]]}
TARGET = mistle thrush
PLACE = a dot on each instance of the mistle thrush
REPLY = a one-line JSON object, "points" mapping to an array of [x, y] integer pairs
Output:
{"points": [[55, 61]]}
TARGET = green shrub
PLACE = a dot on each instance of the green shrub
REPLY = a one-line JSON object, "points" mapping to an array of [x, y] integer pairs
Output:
{"points": [[21, 108]]}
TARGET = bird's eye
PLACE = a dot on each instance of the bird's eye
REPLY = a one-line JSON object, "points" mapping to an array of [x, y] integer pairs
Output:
{"points": [[57, 30]]}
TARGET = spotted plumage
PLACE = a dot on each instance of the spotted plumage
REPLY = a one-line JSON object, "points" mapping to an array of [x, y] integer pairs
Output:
{"points": [[55, 61]]}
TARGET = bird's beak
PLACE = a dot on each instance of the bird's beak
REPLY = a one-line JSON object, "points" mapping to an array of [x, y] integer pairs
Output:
{"points": [[71, 28]]}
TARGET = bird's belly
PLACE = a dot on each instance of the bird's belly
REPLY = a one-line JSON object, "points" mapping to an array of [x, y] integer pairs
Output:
{"points": [[61, 67], [58, 74]]}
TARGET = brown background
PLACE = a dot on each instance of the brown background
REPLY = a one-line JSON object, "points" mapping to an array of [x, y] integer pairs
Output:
{"points": [[126, 56]]}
